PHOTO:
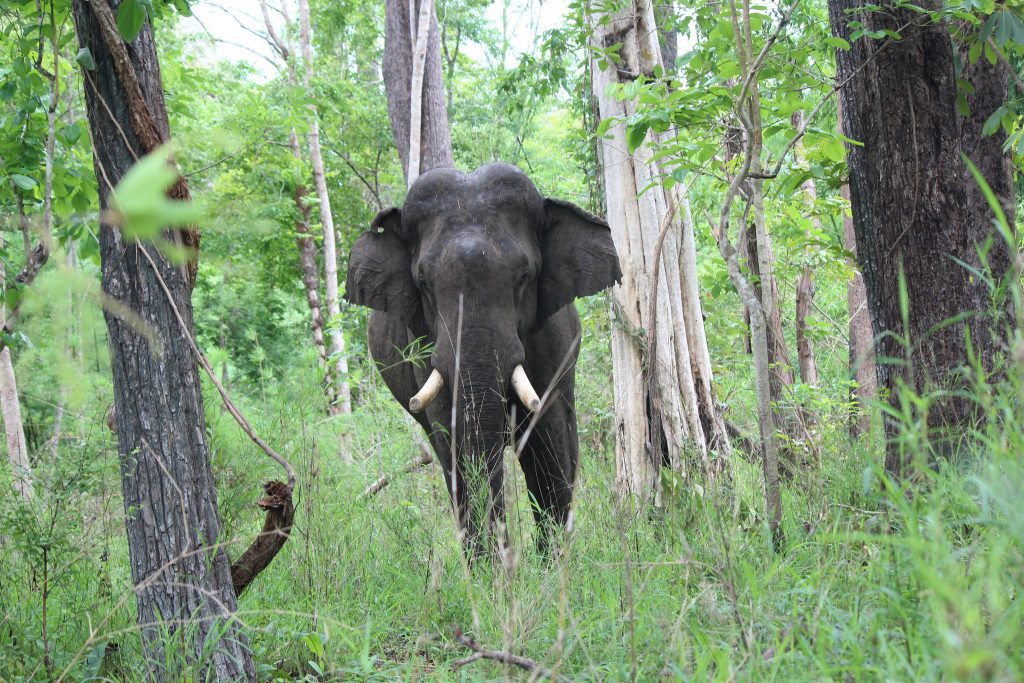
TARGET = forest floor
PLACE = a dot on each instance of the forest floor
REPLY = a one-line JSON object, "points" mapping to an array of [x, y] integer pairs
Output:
{"points": [[871, 583]]}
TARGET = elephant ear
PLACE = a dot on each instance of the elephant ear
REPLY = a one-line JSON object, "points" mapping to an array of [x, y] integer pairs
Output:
{"points": [[380, 271], [578, 255]]}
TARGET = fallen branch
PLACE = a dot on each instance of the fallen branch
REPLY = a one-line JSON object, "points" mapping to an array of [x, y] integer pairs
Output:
{"points": [[277, 526], [424, 457], [480, 652]]}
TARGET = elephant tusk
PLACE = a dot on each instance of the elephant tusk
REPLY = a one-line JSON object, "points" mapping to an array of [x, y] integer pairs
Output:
{"points": [[524, 390], [427, 393]]}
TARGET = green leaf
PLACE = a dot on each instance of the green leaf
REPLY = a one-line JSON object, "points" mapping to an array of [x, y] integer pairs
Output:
{"points": [[71, 133], [962, 107], [837, 42], [635, 136], [85, 60], [139, 203], [80, 202], [131, 15], [993, 121], [974, 52], [23, 181], [990, 54]]}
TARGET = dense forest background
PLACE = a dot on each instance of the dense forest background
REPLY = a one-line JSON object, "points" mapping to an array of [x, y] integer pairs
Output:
{"points": [[881, 576]]}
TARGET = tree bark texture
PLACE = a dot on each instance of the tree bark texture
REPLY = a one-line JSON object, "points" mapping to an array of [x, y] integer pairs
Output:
{"points": [[401, 17], [343, 404], [182, 576], [664, 402], [916, 211]]}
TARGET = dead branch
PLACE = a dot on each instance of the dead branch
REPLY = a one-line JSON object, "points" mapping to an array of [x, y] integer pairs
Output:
{"points": [[424, 457], [479, 652], [276, 528]]}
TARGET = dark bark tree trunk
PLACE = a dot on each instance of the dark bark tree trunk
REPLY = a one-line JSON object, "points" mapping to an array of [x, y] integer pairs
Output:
{"points": [[182, 577], [399, 44], [916, 211]]}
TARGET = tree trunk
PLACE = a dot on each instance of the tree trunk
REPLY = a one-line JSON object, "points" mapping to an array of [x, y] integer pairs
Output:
{"points": [[399, 46], [419, 58], [862, 336], [661, 366], [781, 373], [805, 285], [17, 447], [310, 277], [304, 239], [182, 576], [337, 340], [916, 212]]}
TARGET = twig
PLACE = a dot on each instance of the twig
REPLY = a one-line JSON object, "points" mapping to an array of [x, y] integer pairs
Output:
{"points": [[479, 652], [252, 143], [424, 457]]}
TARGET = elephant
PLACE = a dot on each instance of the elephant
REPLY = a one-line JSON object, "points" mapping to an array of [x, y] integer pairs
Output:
{"points": [[481, 270]]}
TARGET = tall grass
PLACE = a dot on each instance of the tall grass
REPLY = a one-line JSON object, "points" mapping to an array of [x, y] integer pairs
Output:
{"points": [[874, 583]]}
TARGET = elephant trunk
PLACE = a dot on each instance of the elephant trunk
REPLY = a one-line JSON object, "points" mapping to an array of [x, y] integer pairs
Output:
{"points": [[478, 377]]}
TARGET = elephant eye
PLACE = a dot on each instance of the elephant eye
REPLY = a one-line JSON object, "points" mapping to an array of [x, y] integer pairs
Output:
{"points": [[423, 285]]}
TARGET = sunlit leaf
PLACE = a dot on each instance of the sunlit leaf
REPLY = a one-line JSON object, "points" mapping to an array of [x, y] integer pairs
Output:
{"points": [[139, 203]]}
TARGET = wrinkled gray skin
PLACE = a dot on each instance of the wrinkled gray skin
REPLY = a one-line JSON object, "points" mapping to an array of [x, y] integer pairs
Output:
{"points": [[517, 261]]}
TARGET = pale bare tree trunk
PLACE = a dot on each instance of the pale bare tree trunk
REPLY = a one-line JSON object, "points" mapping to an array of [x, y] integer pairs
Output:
{"points": [[10, 408], [419, 58], [709, 410], [435, 146], [805, 285], [17, 447], [762, 380], [661, 369], [756, 250], [307, 246], [337, 340], [762, 304]]}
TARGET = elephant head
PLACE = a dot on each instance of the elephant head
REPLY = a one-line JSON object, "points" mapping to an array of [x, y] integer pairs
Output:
{"points": [[478, 263]]}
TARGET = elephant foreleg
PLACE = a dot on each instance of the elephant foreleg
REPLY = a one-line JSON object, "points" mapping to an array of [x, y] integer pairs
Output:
{"points": [[549, 459]]}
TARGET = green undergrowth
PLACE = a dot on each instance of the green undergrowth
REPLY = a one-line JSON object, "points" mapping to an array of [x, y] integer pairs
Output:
{"points": [[873, 583]]}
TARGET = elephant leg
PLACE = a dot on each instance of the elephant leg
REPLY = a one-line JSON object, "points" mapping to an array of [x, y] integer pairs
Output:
{"points": [[549, 459]]}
